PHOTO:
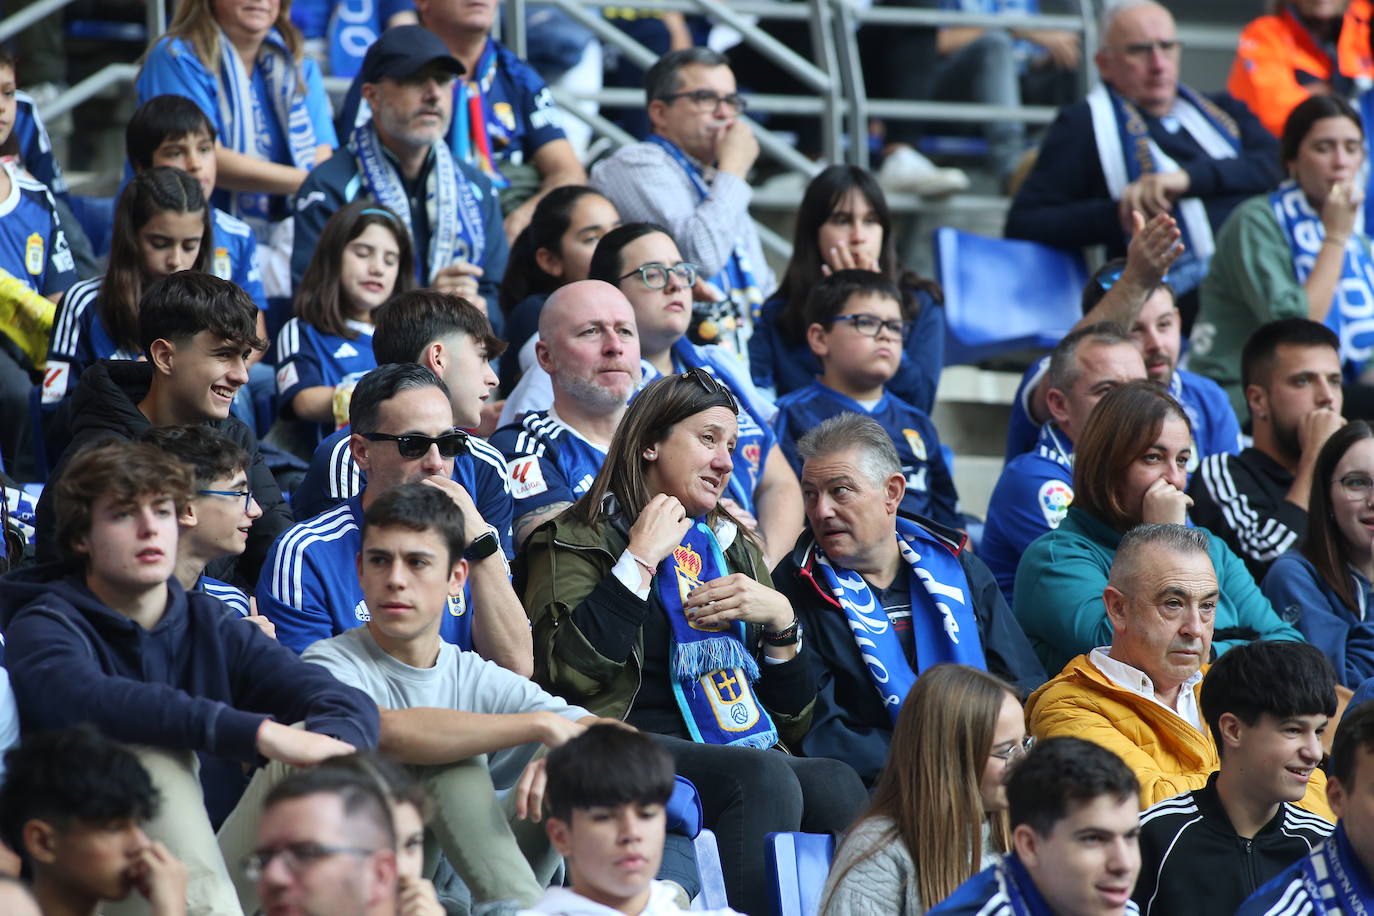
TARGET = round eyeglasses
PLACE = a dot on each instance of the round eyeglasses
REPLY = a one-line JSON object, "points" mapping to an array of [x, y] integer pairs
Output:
{"points": [[655, 275]]}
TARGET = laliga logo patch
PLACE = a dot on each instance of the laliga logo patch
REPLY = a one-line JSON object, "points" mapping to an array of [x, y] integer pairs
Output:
{"points": [[526, 477], [752, 453], [33, 254], [1055, 497], [221, 266], [918, 445]]}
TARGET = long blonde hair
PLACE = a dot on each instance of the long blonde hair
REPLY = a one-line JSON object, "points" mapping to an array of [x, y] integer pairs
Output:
{"points": [[195, 24], [929, 788]]}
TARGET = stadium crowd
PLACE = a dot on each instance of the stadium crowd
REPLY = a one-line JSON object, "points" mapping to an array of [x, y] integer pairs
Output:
{"points": [[402, 518]]}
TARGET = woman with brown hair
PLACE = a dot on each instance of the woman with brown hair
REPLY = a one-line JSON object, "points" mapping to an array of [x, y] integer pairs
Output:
{"points": [[939, 811], [651, 603], [1129, 469], [242, 62], [1326, 583]]}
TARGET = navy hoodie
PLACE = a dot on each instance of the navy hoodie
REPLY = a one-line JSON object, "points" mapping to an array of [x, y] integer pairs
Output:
{"points": [[202, 679]]}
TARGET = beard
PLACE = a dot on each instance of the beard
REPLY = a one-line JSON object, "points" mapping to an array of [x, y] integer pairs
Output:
{"points": [[1286, 438], [591, 394]]}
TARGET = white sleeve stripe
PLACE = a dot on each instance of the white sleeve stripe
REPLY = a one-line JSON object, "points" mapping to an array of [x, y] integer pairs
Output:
{"points": [[67, 328], [288, 340], [344, 479], [1259, 539], [1164, 859], [286, 574]]}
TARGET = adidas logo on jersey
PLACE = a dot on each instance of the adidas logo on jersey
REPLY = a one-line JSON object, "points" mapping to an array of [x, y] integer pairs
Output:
{"points": [[345, 351]]}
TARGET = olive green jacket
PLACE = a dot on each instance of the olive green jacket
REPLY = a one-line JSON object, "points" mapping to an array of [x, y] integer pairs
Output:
{"points": [[565, 569]]}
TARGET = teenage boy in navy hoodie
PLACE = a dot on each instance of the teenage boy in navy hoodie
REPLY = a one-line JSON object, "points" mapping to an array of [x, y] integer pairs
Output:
{"points": [[111, 638]]}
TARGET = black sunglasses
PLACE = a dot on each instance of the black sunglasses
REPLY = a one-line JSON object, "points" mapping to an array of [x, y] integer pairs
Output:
{"points": [[412, 445]]}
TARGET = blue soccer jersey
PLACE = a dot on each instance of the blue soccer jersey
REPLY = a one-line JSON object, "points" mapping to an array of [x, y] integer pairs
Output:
{"points": [[309, 585], [33, 247], [547, 461], [309, 358], [334, 477], [1031, 497], [235, 257], [77, 341], [35, 146], [234, 598], [518, 113], [929, 485]]}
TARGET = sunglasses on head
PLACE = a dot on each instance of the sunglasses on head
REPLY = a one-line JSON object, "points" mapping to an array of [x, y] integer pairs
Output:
{"points": [[412, 445]]}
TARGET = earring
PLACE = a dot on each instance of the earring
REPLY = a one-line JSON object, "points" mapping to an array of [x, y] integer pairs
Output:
{"points": [[650, 454]]}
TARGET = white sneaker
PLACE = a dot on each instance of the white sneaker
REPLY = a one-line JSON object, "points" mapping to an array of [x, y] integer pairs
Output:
{"points": [[906, 171]]}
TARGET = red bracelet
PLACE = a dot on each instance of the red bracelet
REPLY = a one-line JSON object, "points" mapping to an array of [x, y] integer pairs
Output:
{"points": [[651, 570]]}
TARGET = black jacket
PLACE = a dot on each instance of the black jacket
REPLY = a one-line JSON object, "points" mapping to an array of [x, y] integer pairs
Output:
{"points": [[105, 406], [1193, 863], [1243, 499], [850, 723], [203, 679], [1064, 200]]}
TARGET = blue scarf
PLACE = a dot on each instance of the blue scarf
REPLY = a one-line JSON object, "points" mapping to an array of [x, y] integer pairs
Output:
{"points": [[456, 231], [1353, 303], [712, 669], [942, 619], [246, 123], [755, 439], [1126, 151], [1335, 881], [472, 133], [353, 26], [1365, 103], [736, 278]]}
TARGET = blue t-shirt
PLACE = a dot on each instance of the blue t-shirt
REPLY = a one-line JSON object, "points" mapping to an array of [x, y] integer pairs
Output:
{"points": [[1030, 498], [334, 477], [35, 146], [33, 247], [309, 585], [309, 358], [929, 485], [780, 369], [547, 461], [520, 114], [172, 68], [1215, 428], [235, 257], [234, 598]]}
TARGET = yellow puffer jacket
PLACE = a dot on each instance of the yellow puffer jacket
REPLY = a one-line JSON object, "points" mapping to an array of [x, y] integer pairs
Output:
{"points": [[1168, 755]]}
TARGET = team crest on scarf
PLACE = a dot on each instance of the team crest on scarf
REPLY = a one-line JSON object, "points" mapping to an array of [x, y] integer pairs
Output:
{"points": [[688, 570]]}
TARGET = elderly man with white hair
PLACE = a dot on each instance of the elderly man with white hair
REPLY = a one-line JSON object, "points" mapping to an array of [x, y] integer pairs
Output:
{"points": [[589, 346], [1141, 142], [882, 596]]}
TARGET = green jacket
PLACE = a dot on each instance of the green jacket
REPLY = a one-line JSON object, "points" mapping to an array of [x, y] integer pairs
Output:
{"points": [[1062, 574], [564, 573]]}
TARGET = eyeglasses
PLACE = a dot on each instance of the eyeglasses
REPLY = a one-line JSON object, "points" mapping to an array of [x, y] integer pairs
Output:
{"points": [[872, 325], [1016, 751], [245, 495], [655, 275], [705, 100], [413, 445], [1143, 49], [1356, 487], [297, 857]]}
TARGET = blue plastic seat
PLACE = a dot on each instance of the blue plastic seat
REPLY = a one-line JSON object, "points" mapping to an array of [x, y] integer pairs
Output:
{"points": [[96, 216], [1005, 294], [797, 866]]}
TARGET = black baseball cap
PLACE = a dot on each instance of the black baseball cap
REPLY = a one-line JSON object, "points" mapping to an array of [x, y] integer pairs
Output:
{"points": [[404, 50]]}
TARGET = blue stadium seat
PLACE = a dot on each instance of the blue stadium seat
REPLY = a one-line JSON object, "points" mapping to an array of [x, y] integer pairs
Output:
{"points": [[797, 866], [96, 216], [1005, 294]]}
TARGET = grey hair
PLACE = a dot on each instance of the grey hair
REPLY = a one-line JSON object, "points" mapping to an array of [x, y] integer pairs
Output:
{"points": [[1177, 539], [1110, 12], [662, 79], [877, 455], [1065, 368]]}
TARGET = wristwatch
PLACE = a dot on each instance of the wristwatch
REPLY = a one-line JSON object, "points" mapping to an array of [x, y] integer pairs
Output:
{"points": [[483, 546], [789, 635]]}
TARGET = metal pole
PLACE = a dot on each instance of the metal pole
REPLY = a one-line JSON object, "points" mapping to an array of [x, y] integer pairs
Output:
{"points": [[109, 75], [157, 19], [13, 25], [832, 114], [517, 40], [767, 45], [851, 71]]}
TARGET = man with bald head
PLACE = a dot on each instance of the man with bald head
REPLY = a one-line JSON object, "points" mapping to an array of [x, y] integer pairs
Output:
{"points": [[1142, 142], [1140, 695], [589, 347]]}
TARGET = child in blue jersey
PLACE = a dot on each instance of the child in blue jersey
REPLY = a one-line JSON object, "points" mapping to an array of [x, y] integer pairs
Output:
{"points": [[856, 325], [171, 130], [362, 260], [160, 226]]}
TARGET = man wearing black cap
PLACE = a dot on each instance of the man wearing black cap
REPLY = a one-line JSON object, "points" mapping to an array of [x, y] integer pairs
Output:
{"points": [[400, 159]]}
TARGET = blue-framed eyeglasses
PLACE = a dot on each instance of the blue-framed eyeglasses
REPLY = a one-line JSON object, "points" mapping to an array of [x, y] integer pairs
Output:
{"points": [[245, 495]]}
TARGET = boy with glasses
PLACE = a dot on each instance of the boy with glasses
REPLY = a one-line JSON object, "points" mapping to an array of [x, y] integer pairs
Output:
{"points": [[401, 423], [856, 328], [1205, 851]]}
